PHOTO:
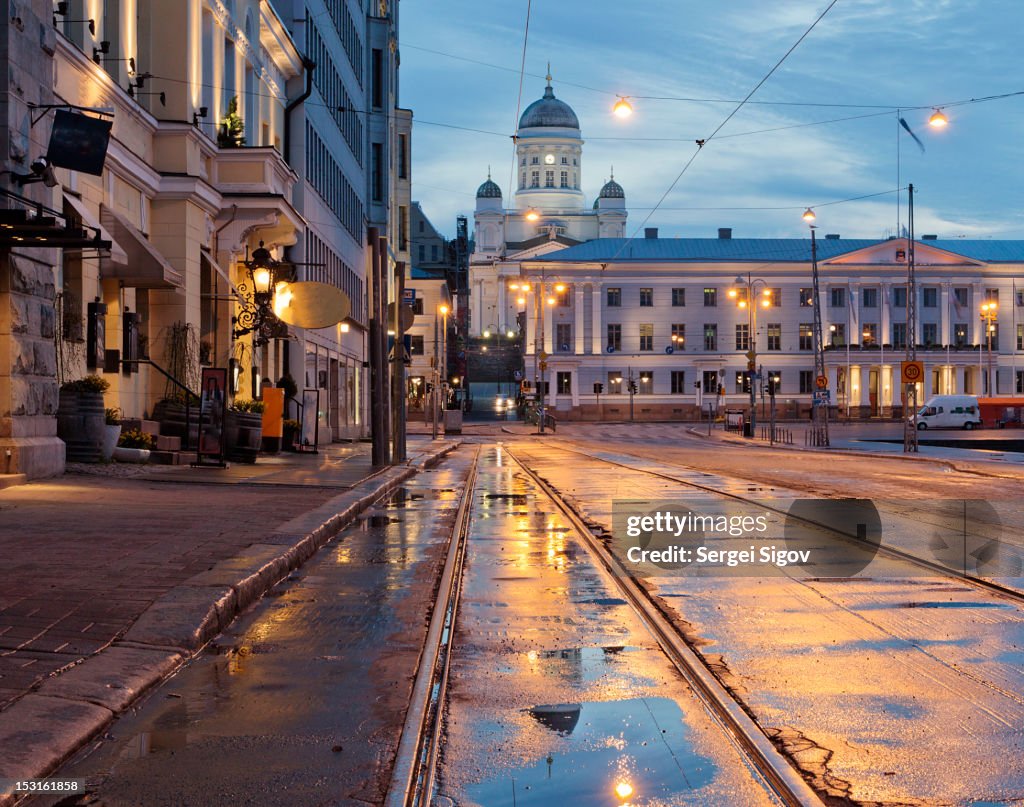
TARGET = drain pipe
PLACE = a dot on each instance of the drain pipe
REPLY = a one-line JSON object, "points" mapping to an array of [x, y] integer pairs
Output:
{"points": [[309, 66]]}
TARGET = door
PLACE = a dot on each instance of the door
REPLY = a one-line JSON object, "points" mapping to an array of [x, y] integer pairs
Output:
{"points": [[873, 391]]}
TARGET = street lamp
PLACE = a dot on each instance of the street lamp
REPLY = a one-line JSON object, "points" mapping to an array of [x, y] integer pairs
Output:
{"points": [[622, 108], [989, 314], [747, 302], [439, 351], [938, 119], [260, 299], [542, 289]]}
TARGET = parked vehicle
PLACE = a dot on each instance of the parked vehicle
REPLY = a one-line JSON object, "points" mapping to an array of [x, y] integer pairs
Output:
{"points": [[1002, 412], [949, 412]]}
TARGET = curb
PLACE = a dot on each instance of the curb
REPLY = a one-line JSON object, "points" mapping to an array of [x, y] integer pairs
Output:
{"points": [[43, 728]]}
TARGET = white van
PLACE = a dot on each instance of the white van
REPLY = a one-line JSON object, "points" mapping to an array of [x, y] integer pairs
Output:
{"points": [[949, 412]]}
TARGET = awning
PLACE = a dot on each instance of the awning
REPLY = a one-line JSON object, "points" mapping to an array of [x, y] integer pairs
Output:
{"points": [[144, 267], [208, 256], [89, 220]]}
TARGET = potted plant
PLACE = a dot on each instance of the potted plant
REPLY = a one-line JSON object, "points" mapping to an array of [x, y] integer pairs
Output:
{"points": [[290, 434], [232, 128], [111, 433], [134, 446], [243, 426], [80, 418]]}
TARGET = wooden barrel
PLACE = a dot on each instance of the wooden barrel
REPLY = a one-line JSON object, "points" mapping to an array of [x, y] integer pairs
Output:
{"points": [[80, 424], [244, 434]]}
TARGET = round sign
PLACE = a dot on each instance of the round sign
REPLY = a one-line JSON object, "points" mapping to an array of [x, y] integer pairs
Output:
{"points": [[913, 371], [821, 382], [611, 348], [307, 304], [669, 349]]}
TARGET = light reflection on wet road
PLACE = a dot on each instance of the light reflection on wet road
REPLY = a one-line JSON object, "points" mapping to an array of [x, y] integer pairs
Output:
{"points": [[558, 694], [893, 689], [301, 701]]}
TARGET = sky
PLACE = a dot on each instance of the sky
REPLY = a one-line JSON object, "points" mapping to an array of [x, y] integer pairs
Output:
{"points": [[460, 63]]}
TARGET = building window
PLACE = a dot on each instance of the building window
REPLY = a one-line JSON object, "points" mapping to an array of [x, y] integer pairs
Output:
{"points": [[992, 296], [776, 376], [377, 77], [615, 336], [869, 333], [1020, 337], [565, 161], [563, 297], [415, 345], [563, 383], [1020, 297], [403, 157], [535, 161], [403, 228], [899, 335], [417, 305], [549, 179], [646, 298], [960, 334], [535, 179], [564, 179], [806, 298], [377, 172], [522, 161], [930, 333], [645, 384], [774, 297], [678, 382], [563, 337], [710, 298], [647, 336], [806, 382], [743, 381], [615, 381], [838, 298], [743, 336], [930, 297], [1020, 382], [679, 336], [899, 297], [433, 253], [613, 297], [869, 298], [678, 298], [710, 336], [710, 382], [806, 336], [522, 180], [837, 334], [774, 336], [993, 333]]}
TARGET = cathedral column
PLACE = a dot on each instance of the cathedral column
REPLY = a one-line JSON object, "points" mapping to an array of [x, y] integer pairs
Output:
{"points": [[502, 312], [596, 336], [578, 347]]}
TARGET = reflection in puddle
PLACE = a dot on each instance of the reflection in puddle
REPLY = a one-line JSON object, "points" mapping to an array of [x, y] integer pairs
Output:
{"points": [[580, 665], [610, 752]]}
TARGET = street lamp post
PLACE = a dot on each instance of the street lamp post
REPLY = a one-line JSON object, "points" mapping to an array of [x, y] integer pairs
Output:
{"points": [[748, 303], [989, 313], [541, 290]]}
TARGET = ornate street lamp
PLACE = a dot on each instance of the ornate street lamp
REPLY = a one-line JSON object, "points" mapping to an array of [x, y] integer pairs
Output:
{"points": [[258, 293]]}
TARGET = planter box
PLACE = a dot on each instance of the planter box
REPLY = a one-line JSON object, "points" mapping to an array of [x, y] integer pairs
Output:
{"points": [[81, 423], [122, 454]]}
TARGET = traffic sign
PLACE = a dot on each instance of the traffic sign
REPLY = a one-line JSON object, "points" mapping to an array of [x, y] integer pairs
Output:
{"points": [[912, 371], [669, 349], [751, 355], [542, 355], [751, 366], [821, 382], [543, 366]]}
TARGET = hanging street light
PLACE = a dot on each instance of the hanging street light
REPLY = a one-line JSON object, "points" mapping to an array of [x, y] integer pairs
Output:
{"points": [[809, 215], [622, 108], [938, 119]]}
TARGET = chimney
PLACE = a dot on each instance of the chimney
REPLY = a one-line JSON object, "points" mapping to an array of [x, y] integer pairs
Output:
{"points": [[650, 232], [929, 238], [725, 232], [832, 236]]}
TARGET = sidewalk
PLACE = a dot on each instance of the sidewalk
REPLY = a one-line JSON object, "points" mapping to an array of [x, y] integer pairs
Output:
{"points": [[113, 581]]}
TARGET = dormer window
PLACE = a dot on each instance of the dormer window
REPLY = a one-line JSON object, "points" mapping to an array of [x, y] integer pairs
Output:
{"points": [[565, 161], [535, 161]]}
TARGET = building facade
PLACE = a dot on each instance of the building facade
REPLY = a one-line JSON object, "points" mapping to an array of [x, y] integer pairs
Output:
{"points": [[658, 313], [548, 211], [236, 125]]}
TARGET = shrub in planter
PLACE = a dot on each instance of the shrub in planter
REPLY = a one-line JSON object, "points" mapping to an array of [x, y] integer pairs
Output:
{"points": [[243, 426], [135, 438], [80, 418]]}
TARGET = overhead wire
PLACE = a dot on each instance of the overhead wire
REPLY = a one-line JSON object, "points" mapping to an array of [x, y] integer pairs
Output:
{"points": [[519, 99]]}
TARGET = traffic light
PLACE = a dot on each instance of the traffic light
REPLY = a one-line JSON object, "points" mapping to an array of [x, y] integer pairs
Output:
{"points": [[598, 388], [632, 388], [772, 382], [696, 385]]}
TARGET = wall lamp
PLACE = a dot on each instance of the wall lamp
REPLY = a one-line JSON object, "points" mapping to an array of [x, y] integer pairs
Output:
{"points": [[42, 171], [199, 115], [104, 49]]}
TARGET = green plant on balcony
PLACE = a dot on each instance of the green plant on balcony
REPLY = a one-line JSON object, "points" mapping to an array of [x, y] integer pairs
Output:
{"points": [[232, 128]]}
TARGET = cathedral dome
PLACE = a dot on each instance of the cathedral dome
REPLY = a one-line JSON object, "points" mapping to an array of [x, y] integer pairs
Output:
{"points": [[612, 190], [489, 190], [549, 111]]}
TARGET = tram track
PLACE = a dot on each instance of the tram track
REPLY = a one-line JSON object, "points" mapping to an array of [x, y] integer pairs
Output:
{"points": [[989, 586]]}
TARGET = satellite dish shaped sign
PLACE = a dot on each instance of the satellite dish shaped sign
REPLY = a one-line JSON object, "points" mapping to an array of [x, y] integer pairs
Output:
{"points": [[306, 304]]}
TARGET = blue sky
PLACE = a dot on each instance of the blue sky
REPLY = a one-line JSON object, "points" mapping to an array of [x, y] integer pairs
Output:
{"points": [[968, 182]]}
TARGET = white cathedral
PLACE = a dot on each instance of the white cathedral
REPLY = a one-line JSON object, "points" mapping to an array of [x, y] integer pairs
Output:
{"points": [[549, 211]]}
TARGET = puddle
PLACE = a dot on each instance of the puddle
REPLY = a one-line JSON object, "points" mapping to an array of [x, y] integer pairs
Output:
{"points": [[514, 498], [381, 521], [581, 665], [637, 751]]}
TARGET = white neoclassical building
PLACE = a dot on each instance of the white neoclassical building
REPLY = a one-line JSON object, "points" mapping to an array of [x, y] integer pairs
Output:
{"points": [[658, 311], [548, 212]]}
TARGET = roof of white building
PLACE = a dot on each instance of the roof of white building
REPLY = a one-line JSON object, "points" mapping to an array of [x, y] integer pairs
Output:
{"points": [[549, 111], [767, 249]]}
